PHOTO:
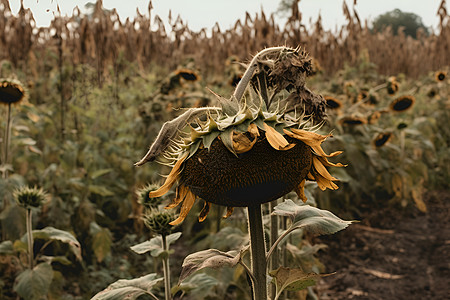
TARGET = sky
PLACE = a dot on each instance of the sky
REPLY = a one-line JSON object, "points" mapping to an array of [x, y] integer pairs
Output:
{"points": [[205, 13]]}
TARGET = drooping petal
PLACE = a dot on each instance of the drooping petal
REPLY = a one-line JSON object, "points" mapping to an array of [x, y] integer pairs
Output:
{"points": [[327, 163], [300, 190], [170, 180], [179, 197], [275, 139], [311, 139], [324, 183], [204, 212], [241, 143], [320, 168], [229, 212], [253, 129], [185, 208]]}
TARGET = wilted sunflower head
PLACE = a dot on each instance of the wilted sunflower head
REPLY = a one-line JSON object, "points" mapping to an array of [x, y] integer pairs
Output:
{"points": [[11, 91], [30, 197], [402, 103], [440, 75], [242, 153]]}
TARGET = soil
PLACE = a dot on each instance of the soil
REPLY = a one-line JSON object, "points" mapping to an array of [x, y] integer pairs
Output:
{"points": [[391, 256]]}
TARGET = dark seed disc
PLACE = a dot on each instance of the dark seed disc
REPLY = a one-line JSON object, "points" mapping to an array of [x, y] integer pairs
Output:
{"points": [[260, 175]]}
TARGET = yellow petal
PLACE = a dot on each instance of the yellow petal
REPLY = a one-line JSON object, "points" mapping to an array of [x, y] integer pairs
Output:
{"points": [[181, 194], [229, 212], [320, 168], [170, 180], [275, 139], [300, 190], [185, 208], [204, 212]]}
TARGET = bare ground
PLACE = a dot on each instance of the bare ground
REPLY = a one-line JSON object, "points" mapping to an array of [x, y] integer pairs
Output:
{"points": [[391, 256]]}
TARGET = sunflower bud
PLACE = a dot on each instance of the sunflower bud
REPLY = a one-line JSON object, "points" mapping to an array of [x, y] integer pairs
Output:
{"points": [[145, 200], [30, 198], [159, 221]]}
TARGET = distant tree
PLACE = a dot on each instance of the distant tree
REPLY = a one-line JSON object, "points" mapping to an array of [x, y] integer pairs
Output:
{"points": [[396, 18], [284, 8]]}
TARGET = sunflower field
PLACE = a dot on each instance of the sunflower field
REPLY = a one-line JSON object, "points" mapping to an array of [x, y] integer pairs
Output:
{"points": [[144, 163]]}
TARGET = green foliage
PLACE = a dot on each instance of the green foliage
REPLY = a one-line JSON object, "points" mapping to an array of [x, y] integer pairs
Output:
{"points": [[397, 19], [53, 234], [34, 284], [154, 245], [129, 289], [311, 219], [292, 280]]}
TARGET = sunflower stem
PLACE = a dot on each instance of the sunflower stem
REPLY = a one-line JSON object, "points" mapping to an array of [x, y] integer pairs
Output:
{"points": [[6, 142], [258, 252], [30, 238], [243, 83], [166, 269], [274, 263]]}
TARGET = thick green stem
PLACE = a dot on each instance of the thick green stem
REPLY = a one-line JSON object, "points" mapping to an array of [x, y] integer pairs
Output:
{"points": [[165, 261], [258, 252], [30, 239], [274, 261]]}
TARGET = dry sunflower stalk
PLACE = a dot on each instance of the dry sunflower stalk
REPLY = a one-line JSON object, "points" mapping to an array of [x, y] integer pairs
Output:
{"points": [[255, 147]]}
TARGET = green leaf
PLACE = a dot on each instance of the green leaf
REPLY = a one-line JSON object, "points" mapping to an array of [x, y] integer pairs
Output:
{"points": [[51, 233], [209, 138], [129, 289], [154, 245], [100, 190], [311, 219], [292, 279], [200, 285], [99, 173], [34, 284], [101, 243], [6, 247], [210, 258]]}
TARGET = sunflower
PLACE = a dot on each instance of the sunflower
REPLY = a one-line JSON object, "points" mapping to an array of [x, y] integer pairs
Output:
{"points": [[11, 92], [363, 94], [392, 85], [402, 103], [440, 75], [333, 103], [352, 120], [382, 139], [374, 117], [242, 154], [187, 74]]}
